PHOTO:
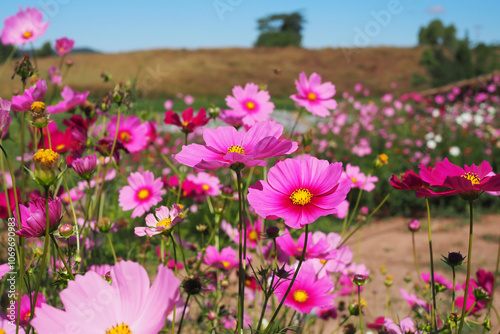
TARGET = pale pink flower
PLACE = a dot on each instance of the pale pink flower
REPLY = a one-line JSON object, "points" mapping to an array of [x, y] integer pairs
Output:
{"points": [[64, 45], [162, 221], [131, 132], [315, 96], [26, 26], [254, 103], [143, 192]]}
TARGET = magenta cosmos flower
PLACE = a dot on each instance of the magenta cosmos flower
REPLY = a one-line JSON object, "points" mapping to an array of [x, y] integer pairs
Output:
{"points": [[64, 45], [227, 259], [253, 233], [8, 327], [359, 180], [26, 26], [307, 291], [25, 314], [468, 182], [226, 146], [315, 96], [188, 123], [33, 217], [71, 99], [5, 118], [132, 133], [127, 305], [31, 95], [163, 220], [141, 194], [252, 102], [85, 166], [300, 191]]}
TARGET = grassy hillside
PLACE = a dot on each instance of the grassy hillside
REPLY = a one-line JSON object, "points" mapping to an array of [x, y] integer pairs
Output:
{"points": [[213, 72]]}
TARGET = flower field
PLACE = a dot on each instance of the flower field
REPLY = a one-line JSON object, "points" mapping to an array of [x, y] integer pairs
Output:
{"points": [[350, 213]]}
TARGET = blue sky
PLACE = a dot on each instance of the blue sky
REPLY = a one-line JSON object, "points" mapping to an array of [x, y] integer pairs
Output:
{"points": [[126, 25]]}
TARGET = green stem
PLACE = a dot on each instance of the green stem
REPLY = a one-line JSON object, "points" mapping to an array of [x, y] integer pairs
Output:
{"points": [[9, 58], [175, 272], [78, 256], [453, 291], [112, 248], [490, 303], [242, 259], [183, 313], [302, 258], [360, 310], [66, 265], [433, 285], [469, 253], [296, 122], [415, 255]]}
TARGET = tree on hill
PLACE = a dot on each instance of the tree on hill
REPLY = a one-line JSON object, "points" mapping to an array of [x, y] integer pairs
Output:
{"points": [[280, 30], [448, 59]]}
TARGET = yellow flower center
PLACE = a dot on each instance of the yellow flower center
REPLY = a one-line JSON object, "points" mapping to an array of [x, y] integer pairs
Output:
{"points": [[61, 49], [2, 331], [205, 187], [143, 194], [226, 264], [184, 124], [354, 180], [37, 106], [472, 177], [300, 296], [322, 261], [47, 158], [311, 96], [252, 235], [248, 282], [60, 147], [236, 149], [383, 158], [250, 105], [301, 196], [27, 34], [164, 222], [125, 136], [119, 329], [26, 316]]}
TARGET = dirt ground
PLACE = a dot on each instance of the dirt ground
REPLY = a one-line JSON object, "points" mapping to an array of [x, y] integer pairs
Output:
{"points": [[389, 243]]}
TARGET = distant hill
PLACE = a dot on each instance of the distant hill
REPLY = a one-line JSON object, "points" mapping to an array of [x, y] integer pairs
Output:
{"points": [[213, 72], [83, 50]]}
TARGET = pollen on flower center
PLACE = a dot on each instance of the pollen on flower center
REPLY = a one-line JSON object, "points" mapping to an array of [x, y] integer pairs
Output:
{"points": [[125, 136], [226, 264], [47, 158], [252, 235], [354, 180], [119, 329], [472, 177], [2, 331], [37, 106], [250, 105], [27, 34], [323, 261], [300, 296], [205, 187], [311, 96], [236, 149], [143, 194], [60, 147], [301, 196], [165, 223]]}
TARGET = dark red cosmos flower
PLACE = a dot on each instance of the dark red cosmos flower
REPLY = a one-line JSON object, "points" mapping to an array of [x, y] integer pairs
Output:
{"points": [[468, 182], [484, 281], [4, 212], [408, 181], [189, 122]]}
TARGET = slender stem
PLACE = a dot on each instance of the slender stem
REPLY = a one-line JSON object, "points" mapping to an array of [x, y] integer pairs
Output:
{"points": [[112, 248], [433, 285], [415, 255], [490, 303], [175, 272], [292, 281], [360, 310], [9, 58], [267, 293], [453, 291], [23, 178], [241, 271], [183, 313], [469, 253], [340, 325], [296, 122], [66, 265], [78, 256]]}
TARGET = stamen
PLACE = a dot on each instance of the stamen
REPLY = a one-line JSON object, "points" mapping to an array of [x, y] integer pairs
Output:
{"points": [[143, 194], [301, 196], [300, 296], [236, 149], [311, 96], [119, 329], [472, 177]]}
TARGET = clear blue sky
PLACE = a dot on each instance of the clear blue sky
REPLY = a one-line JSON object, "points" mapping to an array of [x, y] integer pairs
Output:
{"points": [[125, 25]]}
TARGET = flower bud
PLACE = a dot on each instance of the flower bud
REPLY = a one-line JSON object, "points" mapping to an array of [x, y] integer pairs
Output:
{"points": [[211, 315], [66, 230], [382, 160], [224, 284], [359, 279], [213, 111], [414, 225], [46, 171], [272, 232], [192, 285], [453, 259]]}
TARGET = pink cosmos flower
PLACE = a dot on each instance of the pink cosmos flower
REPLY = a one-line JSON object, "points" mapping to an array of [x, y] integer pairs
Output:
{"points": [[25, 312], [253, 233], [438, 279], [227, 259], [85, 166], [315, 96], [188, 100], [468, 182], [127, 305], [307, 291], [363, 148], [30, 95], [141, 194], [8, 327], [226, 146], [26, 26], [485, 281], [406, 325], [72, 99], [412, 299], [102, 269], [168, 104], [4, 269], [232, 117], [131, 133], [254, 103], [209, 184], [164, 221], [55, 76], [315, 248], [300, 191], [188, 123], [336, 258], [64, 45], [33, 217], [359, 180], [4, 211]]}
